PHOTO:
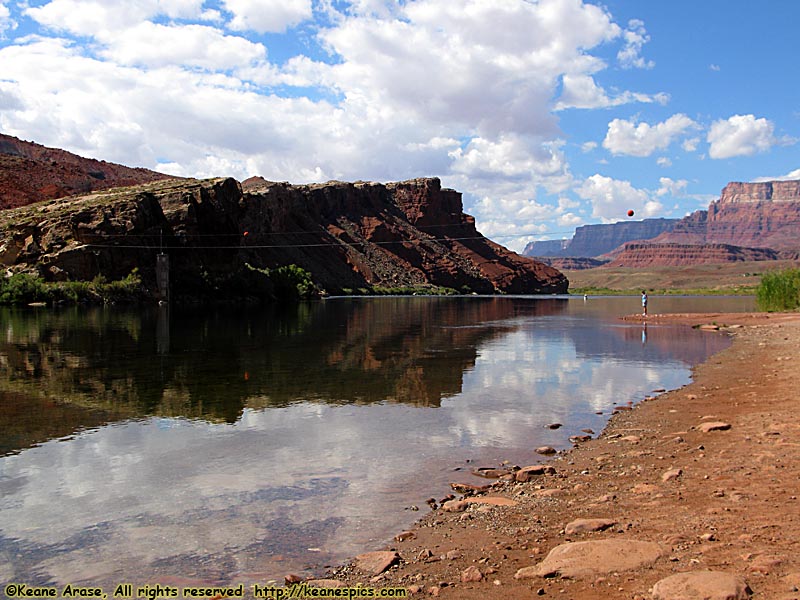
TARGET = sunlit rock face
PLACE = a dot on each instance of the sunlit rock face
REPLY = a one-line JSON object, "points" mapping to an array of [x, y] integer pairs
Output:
{"points": [[644, 254], [755, 215], [30, 172]]}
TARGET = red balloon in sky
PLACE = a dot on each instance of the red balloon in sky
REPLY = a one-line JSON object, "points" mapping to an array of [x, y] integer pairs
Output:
{"points": [[630, 213]]}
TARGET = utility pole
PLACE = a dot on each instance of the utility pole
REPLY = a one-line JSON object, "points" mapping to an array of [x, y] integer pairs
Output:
{"points": [[162, 272]]}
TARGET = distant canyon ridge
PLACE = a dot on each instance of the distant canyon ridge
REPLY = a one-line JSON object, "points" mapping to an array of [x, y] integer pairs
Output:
{"points": [[66, 217], [749, 222]]}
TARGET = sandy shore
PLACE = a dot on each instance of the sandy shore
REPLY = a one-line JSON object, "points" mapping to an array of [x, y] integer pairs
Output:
{"points": [[704, 479]]}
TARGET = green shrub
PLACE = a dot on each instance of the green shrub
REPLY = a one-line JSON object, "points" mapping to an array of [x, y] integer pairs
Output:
{"points": [[24, 288], [292, 283], [779, 290]]}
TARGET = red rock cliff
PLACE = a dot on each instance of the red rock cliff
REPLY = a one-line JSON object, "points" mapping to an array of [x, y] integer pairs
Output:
{"points": [[347, 235], [645, 254], [757, 215]]}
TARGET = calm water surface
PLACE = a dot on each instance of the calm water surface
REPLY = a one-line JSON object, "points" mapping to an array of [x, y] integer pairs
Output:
{"points": [[232, 447]]}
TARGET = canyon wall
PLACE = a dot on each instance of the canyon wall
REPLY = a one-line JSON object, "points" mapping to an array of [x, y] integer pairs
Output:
{"points": [[758, 215], [646, 254], [220, 236], [595, 240], [749, 216]]}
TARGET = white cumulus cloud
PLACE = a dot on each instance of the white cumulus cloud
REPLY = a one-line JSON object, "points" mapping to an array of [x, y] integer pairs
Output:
{"points": [[94, 17], [152, 45], [6, 22], [671, 187], [635, 38], [265, 16], [581, 91], [612, 198], [790, 176], [641, 139], [740, 135]]}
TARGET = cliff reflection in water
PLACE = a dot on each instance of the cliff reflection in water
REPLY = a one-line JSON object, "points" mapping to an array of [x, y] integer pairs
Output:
{"points": [[87, 367], [309, 432]]}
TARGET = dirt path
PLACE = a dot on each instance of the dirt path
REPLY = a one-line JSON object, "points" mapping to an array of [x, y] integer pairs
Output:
{"points": [[723, 500]]}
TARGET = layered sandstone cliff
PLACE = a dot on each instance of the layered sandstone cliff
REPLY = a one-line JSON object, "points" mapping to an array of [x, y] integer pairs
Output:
{"points": [[30, 172], [749, 216], [220, 236], [759, 215], [646, 254]]}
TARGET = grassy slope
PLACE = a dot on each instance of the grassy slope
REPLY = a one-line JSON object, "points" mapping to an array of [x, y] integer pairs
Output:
{"points": [[727, 278]]}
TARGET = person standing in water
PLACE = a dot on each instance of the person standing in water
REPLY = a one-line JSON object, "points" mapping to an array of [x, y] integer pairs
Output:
{"points": [[644, 303]]}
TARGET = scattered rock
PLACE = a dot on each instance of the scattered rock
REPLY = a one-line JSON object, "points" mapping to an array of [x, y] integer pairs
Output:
{"points": [[645, 488], [765, 564], [292, 579], [527, 473], [589, 559], [491, 501], [376, 562], [554, 425], [490, 472], [546, 450], [405, 535], [455, 506], [714, 426], [633, 439], [671, 474], [701, 585], [471, 574], [465, 488], [588, 525], [575, 439]]}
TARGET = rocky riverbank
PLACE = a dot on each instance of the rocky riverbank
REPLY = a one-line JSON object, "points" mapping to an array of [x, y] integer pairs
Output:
{"points": [[690, 494]]}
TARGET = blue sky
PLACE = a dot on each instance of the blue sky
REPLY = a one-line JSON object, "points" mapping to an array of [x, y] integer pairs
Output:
{"points": [[546, 114]]}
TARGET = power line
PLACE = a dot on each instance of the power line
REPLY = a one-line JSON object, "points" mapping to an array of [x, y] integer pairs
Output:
{"points": [[315, 245]]}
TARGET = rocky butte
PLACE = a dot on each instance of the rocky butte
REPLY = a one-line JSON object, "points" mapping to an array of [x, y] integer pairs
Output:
{"points": [[30, 172], [222, 236], [749, 222], [596, 240], [758, 215]]}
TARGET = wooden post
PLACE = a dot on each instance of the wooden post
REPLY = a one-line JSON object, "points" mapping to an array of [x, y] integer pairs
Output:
{"points": [[162, 277]]}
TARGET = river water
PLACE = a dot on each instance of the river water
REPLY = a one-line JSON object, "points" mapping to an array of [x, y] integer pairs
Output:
{"points": [[189, 447]]}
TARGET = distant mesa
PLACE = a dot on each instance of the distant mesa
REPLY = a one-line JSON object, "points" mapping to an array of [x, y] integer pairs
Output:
{"points": [[572, 263], [644, 254], [749, 222], [593, 241]]}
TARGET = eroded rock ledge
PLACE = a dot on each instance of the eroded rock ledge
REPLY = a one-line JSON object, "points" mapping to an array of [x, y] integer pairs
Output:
{"points": [[347, 235]]}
